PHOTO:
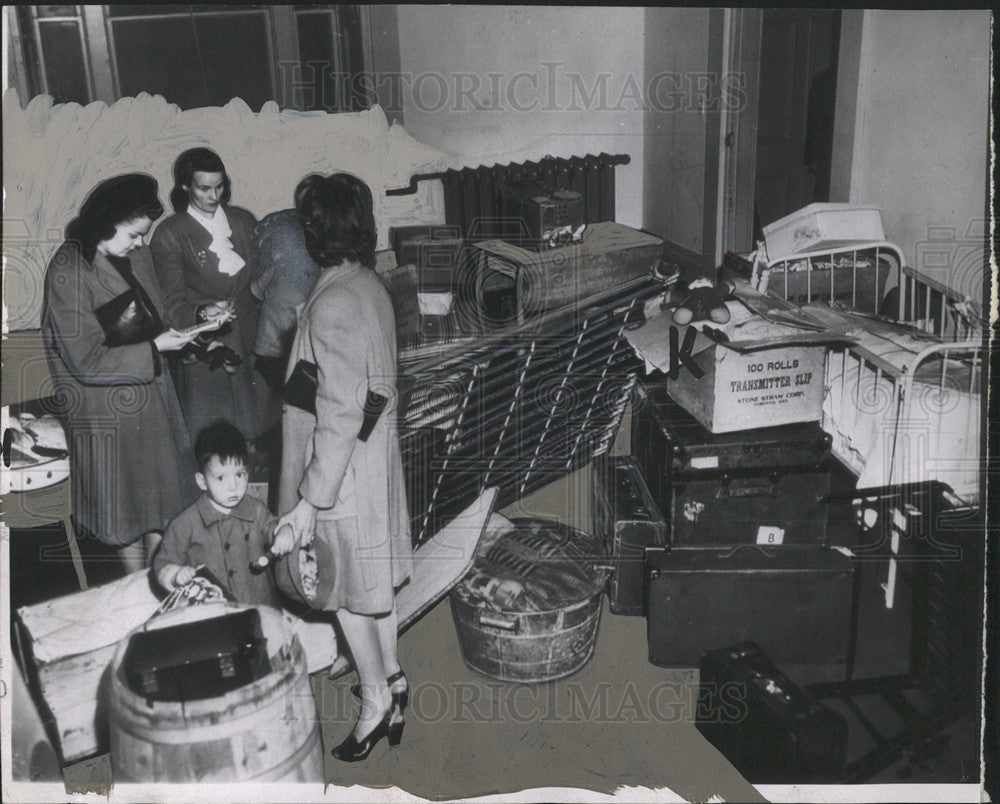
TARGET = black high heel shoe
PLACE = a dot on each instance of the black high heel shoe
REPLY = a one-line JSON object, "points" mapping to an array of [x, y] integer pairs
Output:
{"points": [[355, 750], [400, 699]]}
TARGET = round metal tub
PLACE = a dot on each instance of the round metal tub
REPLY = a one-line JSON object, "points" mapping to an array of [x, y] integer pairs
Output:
{"points": [[525, 646]]}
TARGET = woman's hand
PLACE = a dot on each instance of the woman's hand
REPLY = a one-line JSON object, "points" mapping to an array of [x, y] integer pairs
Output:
{"points": [[298, 525], [284, 539], [171, 340]]}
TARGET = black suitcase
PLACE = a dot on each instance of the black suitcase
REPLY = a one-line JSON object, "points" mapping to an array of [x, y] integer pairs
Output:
{"points": [[795, 602], [628, 520], [772, 731], [763, 486], [197, 660]]}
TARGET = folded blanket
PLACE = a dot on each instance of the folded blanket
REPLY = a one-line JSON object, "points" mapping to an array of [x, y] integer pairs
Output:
{"points": [[536, 565]]}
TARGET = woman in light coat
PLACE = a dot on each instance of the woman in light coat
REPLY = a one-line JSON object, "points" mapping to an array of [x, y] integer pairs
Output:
{"points": [[340, 483]]}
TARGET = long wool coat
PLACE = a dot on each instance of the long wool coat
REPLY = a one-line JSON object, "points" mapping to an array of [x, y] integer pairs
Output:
{"points": [[346, 327], [189, 275], [131, 463]]}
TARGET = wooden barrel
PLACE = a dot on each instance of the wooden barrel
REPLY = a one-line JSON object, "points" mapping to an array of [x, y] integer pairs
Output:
{"points": [[266, 731], [526, 647]]}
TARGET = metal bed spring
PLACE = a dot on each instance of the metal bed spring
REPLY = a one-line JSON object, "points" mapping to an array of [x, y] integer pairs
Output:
{"points": [[516, 408]]}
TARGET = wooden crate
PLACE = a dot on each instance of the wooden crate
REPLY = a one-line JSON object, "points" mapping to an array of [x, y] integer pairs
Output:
{"points": [[71, 687]]}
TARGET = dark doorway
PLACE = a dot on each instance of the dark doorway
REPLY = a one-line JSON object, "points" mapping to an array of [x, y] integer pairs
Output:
{"points": [[798, 76]]}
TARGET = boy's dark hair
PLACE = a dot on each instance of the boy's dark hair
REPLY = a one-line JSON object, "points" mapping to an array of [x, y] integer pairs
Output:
{"points": [[222, 440]]}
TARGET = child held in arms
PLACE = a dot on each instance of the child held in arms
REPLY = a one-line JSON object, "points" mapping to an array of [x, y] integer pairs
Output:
{"points": [[226, 529]]}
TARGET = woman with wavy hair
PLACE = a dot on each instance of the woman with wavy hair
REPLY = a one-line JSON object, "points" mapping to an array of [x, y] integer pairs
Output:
{"points": [[203, 259], [106, 332], [341, 473]]}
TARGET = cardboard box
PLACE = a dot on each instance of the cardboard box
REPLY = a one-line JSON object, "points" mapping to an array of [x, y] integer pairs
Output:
{"points": [[436, 251], [741, 390], [766, 367], [820, 226], [529, 282]]}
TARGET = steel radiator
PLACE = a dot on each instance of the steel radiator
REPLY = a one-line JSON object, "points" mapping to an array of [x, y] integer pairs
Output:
{"points": [[473, 196]]}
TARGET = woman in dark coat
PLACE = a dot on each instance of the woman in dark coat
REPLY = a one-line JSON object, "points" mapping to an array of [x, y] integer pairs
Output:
{"points": [[341, 472], [105, 330], [203, 262]]}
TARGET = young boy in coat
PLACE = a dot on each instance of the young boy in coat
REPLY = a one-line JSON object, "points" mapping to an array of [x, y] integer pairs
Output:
{"points": [[226, 529]]}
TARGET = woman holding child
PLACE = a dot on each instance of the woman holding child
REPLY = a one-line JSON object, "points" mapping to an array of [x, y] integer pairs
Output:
{"points": [[202, 255], [106, 329], [341, 476]]}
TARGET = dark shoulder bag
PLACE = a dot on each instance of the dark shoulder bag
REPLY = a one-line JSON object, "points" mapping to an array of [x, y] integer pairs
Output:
{"points": [[300, 392], [129, 317]]}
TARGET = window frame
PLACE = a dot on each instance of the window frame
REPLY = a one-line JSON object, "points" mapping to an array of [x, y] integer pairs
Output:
{"points": [[100, 61]]}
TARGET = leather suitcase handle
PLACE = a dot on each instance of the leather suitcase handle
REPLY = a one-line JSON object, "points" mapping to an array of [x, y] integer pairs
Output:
{"points": [[770, 489]]}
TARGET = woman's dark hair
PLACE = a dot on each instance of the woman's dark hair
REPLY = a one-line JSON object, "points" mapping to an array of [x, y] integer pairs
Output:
{"points": [[221, 439], [192, 160], [337, 218], [112, 202]]}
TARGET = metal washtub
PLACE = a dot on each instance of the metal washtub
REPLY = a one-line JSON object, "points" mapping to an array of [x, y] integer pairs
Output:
{"points": [[526, 646], [547, 628]]}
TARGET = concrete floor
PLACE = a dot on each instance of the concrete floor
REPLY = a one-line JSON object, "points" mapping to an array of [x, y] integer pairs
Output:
{"points": [[618, 721]]}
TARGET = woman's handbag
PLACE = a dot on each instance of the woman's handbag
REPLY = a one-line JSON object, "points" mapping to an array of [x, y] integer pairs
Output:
{"points": [[128, 319], [300, 392]]}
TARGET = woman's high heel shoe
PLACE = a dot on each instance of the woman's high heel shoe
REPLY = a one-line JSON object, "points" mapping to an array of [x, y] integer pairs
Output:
{"points": [[400, 699], [355, 750], [395, 733]]}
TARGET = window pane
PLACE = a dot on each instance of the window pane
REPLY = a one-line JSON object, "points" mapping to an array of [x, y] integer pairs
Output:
{"points": [[137, 10], [56, 11], [236, 59], [159, 57], [350, 40], [316, 58], [194, 62], [63, 54]]}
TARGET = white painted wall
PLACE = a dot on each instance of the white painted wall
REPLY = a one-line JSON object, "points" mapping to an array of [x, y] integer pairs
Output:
{"points": [[500, 84], [921, 136]]}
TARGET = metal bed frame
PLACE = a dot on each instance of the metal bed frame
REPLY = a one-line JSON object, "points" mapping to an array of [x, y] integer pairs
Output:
{"points": [[927, 525]]}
